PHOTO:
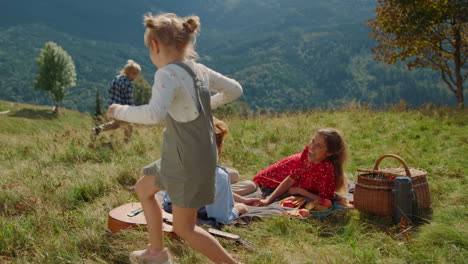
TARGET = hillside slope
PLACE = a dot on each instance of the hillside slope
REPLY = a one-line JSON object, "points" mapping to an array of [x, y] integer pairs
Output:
{"points": [[286, 54], [57, 186]]}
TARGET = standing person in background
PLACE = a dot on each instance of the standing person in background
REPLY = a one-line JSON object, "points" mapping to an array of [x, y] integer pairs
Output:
{"points": [[186, 170], [121, 92]]}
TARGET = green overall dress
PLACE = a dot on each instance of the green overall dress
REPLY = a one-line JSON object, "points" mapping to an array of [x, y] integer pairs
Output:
{"points": [[187, 166]]}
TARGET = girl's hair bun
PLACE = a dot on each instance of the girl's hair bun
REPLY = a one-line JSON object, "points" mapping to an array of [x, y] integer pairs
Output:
{"points": [[192, 23], [149, 20], [172, 30]]}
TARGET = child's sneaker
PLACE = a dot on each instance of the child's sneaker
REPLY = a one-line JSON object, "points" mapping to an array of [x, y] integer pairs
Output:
{"points": [[141, 256], [96, 130]]}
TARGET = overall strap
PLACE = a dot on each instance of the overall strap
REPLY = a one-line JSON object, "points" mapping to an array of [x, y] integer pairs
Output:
{"points": [[196, 82], [187, 69]]}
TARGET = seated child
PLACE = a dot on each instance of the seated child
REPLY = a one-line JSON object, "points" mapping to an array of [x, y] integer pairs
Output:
{"points": [[227, 205]]}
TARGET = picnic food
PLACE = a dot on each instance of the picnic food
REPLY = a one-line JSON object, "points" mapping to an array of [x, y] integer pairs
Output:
{"points": [[304, 212], [325, 202], [293, 202], [309, 206], [294, 213], [317, 205], [298, 213]]}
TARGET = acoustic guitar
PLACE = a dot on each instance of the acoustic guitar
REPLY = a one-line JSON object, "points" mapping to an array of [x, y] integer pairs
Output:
{"points": [[131, 215]]}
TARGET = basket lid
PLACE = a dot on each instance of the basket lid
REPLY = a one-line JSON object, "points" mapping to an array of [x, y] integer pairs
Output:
{"points": [[400, 171], [397, 172]]}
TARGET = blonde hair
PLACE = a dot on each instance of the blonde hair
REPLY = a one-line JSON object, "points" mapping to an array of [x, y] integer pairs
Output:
{"points": [[173, 31], [336, 146], [130, 68], [221, 130]]}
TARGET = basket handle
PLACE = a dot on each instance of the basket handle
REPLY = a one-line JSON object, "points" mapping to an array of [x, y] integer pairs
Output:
{"points": [[376, 166]]}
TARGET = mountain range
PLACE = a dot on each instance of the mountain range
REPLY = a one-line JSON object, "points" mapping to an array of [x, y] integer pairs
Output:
{"points": [[287, 54]]}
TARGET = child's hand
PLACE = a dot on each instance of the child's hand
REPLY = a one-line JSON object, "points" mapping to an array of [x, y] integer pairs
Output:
{"points": [[241, 208], [111, 111], [251, 201], [263, 202]]}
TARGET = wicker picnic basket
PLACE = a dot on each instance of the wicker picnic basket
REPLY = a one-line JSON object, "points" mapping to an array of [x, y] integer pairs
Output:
{"points": [[374, 188]]}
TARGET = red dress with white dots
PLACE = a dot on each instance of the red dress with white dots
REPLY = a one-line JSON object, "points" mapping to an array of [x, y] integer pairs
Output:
{"points": [[316, 178]]}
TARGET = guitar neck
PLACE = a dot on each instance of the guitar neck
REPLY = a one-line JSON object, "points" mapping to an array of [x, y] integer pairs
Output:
{"points": [[168, 218]]}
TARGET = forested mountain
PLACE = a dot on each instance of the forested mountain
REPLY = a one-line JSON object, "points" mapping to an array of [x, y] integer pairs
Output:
{"points": [[287, 54]]}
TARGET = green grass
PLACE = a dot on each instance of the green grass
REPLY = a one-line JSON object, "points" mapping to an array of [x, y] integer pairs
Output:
{"points": [[57, 187]]}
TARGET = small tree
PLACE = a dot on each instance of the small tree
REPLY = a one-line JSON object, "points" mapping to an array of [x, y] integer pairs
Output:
{"points": [[427, 33], [56, 72], [98, 106], [142, 91]]}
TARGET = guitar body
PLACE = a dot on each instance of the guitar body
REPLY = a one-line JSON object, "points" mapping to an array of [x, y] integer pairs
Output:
{"points": [[131, 215], [122, 217]]}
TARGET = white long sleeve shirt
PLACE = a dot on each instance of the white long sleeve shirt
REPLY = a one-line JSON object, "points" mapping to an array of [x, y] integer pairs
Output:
{"points": [[173, 93]]}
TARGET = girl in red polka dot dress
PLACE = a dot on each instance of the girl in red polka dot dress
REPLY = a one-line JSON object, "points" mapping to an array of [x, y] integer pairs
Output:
{"points": [[316, 173]]}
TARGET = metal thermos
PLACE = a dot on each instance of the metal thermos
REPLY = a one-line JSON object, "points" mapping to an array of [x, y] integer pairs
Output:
{"points": [[405, 204]]}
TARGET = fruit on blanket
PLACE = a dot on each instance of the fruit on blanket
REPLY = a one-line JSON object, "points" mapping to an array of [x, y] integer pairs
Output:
{"points": [[297, 213], [288, 204], [292, 213], [293, 202], [304, 213], [327, 203]]}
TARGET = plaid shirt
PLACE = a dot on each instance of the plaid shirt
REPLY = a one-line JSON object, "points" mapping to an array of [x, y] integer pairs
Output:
{"points": [[121, 91]]}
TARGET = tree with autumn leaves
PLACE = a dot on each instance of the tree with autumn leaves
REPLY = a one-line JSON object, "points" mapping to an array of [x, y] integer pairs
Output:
{"points": [[424, 33]]}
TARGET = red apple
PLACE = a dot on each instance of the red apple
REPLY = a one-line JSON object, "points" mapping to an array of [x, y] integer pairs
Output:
{"points": [[327, 203], [288, 204], [304, 213]]}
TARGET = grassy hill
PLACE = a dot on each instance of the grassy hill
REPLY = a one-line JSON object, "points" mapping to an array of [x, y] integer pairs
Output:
{"points": [[57, 186]]}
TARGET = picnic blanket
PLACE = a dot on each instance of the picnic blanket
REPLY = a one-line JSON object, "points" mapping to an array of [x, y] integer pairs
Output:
{"points": [[256, 213]]}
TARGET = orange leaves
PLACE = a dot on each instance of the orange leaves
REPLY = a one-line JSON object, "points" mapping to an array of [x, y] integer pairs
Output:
{"points": [[426, 33]]}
